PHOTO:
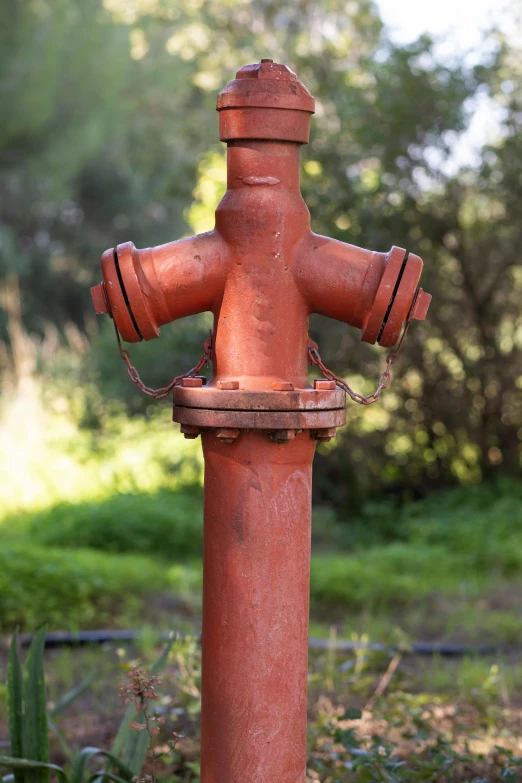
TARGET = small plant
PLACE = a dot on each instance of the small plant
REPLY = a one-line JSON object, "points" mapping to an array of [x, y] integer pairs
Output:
{"points": [[29, 724], [141, 690], [355, 751]]}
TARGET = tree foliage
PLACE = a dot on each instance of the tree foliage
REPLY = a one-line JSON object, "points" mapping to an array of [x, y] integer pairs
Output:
{"points": [[107, 133]]}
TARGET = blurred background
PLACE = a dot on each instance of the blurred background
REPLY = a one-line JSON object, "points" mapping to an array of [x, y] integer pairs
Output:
{"points": [[108, 133]]}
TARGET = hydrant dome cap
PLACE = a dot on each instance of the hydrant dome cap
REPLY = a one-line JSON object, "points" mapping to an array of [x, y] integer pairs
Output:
{"points": [[266, 85]]}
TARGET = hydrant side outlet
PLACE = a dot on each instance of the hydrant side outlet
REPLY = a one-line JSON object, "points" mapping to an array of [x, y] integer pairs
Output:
{"points": [[261, 272]]}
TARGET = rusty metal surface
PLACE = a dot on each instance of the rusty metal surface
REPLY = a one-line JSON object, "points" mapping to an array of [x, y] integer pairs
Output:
{"points": [[261, 420], [299, 399], [115, 296], [187, 378], [127, 259], [255, 609], [418, 309], [261, 272]]}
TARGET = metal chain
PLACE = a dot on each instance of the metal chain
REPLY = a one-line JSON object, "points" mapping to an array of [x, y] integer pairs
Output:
{"points": [[384, 381], [313, 356], [159, 394]]}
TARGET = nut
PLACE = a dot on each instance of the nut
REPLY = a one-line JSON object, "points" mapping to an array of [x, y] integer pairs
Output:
{"points": [[321, 384], [282, 436], [192, 383], [228, 385], [282, 386], [227, 435], [324, 435], [190, 431]]}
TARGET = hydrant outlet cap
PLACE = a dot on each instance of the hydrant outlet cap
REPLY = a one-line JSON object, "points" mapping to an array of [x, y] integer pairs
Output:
{"points": [[250, 105]]}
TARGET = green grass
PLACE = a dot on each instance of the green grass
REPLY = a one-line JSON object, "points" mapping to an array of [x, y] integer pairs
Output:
{"points": [[446, 567], [422, 721], [166, 523], [81, 588]]}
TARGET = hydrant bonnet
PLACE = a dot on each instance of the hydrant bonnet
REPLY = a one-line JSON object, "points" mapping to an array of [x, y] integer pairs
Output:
{"points": [[265, 101]]}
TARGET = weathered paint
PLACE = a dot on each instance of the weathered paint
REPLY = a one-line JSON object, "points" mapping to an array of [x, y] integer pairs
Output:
{"points": [[261, 272], [255, 609]]}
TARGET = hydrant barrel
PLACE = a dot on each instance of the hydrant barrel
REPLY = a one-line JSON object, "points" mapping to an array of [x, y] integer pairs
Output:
{"points": [[255, 608]]}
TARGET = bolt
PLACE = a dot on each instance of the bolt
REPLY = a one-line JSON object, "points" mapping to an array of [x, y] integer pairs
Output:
{"points": [[282, 386], [321, 384], [265, 60], [227, 435], [192, 383], [228, 385], [283, 436], [324, 435], [189, 431]]}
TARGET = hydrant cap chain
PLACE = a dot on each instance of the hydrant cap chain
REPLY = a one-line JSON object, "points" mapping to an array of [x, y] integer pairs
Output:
{"points": [[265, 101]]}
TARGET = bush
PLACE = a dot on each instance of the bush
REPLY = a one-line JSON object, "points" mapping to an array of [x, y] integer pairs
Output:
{"points": [[79, 589], [383, 577], [165, 523]]}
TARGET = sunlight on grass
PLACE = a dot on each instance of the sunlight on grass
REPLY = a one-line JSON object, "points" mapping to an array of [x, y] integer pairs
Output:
{"points": [[46, 459]]}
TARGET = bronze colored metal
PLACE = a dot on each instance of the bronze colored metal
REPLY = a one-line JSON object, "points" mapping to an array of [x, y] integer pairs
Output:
{"points": [[209, 397], [261, 420], [190, 431], [323, 385], [261, 272], [227, 435], [191, 383], [325, 435]]}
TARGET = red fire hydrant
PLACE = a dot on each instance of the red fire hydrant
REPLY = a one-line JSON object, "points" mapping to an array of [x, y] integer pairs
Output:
{"points": [[261, 272]]}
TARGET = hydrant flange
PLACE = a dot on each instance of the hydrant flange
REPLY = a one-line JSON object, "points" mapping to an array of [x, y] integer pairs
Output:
{"points": [[209, 397], [299, 409], [261, 420]]}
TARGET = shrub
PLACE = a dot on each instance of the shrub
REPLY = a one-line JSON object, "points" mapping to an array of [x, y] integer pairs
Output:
{"points": [[165, 523], [78, 588]]}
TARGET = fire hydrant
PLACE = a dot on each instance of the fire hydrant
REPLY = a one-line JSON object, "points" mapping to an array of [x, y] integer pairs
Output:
{"points": [[261, 272]]}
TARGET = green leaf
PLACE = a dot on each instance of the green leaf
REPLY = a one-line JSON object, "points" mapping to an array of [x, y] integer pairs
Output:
{"points": [[61, 739], [81, 762], [103, 776], [131, 745], [72, 695], [352, 713], [35, 737], [15, 704], [30, 765], [157, 667]]}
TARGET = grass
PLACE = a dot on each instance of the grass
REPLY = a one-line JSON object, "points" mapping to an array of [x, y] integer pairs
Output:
{"points": [[81, 588], [166, 523], [448, 567], [110, 526], [400, 718]]}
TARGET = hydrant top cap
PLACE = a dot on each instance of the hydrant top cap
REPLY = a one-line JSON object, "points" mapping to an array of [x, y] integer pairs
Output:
{"points": [[267, 85]]}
